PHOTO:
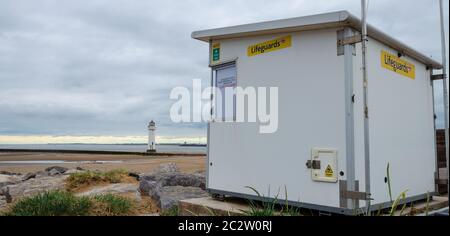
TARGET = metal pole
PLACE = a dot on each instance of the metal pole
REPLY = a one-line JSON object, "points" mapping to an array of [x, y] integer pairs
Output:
{"points": [[365, 98], [444, 73]]}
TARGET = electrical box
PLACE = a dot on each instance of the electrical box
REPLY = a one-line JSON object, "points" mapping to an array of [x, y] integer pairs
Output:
{"points": [[326, 171]]}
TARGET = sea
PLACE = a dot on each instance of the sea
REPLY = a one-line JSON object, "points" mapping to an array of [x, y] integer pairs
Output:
{"points": [[171, 148]]}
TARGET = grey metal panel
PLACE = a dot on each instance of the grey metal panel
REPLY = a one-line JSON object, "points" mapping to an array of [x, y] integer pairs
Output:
{"points": [[320, 21], [436, 173], [349, 117], [208, 127]]}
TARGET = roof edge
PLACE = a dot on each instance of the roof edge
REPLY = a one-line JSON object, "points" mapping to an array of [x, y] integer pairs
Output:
{"points": [[319, 21], [261, 27]]}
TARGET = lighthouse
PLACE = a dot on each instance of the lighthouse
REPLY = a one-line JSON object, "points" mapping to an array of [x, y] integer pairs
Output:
{"points": [[151, 147]]}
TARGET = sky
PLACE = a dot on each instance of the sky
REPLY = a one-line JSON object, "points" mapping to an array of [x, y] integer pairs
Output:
{"points": [[71, 71]]}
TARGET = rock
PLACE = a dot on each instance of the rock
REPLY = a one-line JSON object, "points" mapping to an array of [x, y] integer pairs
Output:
{"points": [[4, 192], [79, 168], [134, 175], [113, 188], [167, 168], [54, 172], [6, 180], [8, 173], [2, 201], [170, 195], [167, 188], [73, 171], [177, 179], [150, 188], [40, 174], [29, 176], [57, 168], [36, 185]]}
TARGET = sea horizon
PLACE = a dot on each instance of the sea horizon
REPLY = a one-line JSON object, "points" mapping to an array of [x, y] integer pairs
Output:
{"points": [[125, 147]]}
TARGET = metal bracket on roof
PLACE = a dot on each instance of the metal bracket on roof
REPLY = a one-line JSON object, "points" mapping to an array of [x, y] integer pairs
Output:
{"points": [[350, 40], [437, 77], [342, 41]]}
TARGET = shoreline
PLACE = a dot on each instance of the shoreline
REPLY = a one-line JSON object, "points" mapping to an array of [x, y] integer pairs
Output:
{"points": [[97, 161], [15, 150]]}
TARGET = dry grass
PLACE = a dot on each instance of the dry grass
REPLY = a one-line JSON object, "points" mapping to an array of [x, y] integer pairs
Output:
{"points": [[79, 182]]}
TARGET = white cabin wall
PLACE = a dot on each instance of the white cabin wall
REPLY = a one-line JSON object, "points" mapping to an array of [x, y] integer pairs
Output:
{"points": [[310, 77], [401, 127]]}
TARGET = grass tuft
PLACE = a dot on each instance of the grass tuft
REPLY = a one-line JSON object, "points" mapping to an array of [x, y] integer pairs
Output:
{"points": [[77, 180], [271, 208], [60, 203], [53, 203], [112, 205], [173, 211]]}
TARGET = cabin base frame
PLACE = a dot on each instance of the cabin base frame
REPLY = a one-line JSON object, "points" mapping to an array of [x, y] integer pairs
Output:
{"points": [[321, 208]]}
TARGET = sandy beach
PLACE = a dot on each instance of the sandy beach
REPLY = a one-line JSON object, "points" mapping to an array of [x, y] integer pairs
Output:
{"points": [[31, 162]]}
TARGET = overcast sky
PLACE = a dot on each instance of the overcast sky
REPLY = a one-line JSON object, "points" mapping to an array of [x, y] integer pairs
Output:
{"points": [[103, 67]]}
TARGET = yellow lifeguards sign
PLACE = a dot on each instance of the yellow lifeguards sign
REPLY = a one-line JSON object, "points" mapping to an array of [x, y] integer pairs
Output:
{"points": [[394, 63], [269, 46]]}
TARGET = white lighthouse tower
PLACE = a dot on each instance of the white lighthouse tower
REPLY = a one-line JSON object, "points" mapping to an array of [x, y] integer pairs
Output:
{"points": [[151, 147]]}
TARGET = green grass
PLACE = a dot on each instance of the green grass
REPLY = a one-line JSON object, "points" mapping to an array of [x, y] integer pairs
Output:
{"points": [[76, 180], [113, 205], [173, 211], [60, 203], [271, 208], [394, 203], [54, 203]]}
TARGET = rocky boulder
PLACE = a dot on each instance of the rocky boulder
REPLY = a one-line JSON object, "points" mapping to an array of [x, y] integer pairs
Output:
{"points": [[170, 195], [150, 188], [177, 179], [6, 180], [113, 189], [36, 185], [28, 176], [167, 185], [2, 201], [9, 173], [56, 170]]}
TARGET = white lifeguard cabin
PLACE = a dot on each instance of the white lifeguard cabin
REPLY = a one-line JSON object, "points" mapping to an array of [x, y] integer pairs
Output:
{"points": [[151, 147], [317, 153]]}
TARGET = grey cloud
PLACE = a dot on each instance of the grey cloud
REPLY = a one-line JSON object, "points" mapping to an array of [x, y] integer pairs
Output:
{"points": [[103, 67]]}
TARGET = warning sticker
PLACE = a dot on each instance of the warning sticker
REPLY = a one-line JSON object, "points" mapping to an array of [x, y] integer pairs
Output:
{"points": [[329, 171]]}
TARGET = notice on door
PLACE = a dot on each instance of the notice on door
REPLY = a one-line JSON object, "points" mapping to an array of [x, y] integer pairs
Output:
{"points": [[216, 52], [397, 65]]}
